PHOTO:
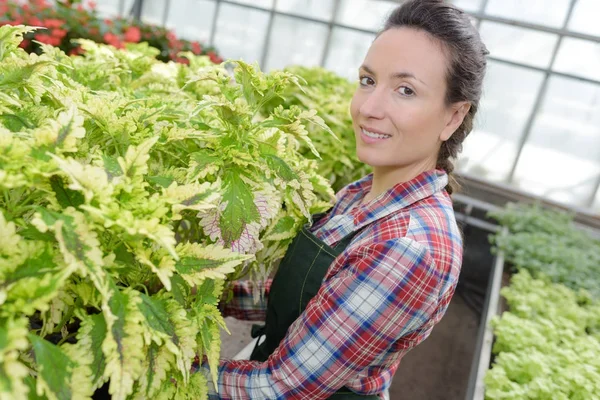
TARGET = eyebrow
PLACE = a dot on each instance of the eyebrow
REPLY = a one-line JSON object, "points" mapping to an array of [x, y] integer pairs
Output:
{"points": [[397, 75]]}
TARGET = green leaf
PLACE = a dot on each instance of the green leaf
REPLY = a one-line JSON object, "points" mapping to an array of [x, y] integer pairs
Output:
{"points": [[157, 316], [240, 209], [97, 336], [162, 181], [111, 166], [32, 395], [203, 160], [54, 366], [284, 228], [280, 167], [65, 196], [36, 266], [180, 289]]}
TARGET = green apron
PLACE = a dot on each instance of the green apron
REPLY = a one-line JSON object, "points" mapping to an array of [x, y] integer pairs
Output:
{"points": [[298, 280]]}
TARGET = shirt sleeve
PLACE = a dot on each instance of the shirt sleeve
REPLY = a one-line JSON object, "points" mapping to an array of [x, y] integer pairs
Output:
{"points": [[242, 305], [385, 291]]}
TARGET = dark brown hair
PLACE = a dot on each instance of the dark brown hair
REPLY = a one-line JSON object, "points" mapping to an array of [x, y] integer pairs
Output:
{"points": [[467, 55]]}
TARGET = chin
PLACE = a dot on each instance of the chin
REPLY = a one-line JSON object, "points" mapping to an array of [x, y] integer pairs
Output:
{"points": [[370, 158]]}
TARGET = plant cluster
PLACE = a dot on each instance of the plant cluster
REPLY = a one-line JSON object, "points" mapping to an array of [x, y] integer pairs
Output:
{"points": [[550, 246], [548, 344], [66, 20], [130, 190], [330, 95]]}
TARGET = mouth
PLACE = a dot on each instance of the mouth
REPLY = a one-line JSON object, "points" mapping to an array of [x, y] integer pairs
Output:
{"points": [[370, 136]]}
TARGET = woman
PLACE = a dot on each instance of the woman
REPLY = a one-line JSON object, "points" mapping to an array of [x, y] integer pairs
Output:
{"points": [[368, 281]]}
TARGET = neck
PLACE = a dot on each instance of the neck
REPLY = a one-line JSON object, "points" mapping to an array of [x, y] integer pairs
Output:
{"points": [[385, 178]]}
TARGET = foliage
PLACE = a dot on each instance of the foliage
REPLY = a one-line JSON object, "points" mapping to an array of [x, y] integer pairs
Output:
{"points": [[330, 95], [550, 246], [548, 344], [130, 189], [67, 20]]}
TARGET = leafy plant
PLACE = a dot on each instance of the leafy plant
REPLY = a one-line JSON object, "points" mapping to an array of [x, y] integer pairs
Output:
{"points": [[330, 95], [548, 244], [64, 21], [130, 190], [548, 344]]}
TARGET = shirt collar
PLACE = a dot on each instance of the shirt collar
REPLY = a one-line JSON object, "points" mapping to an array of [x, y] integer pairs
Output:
{"points": [[398, 197]]}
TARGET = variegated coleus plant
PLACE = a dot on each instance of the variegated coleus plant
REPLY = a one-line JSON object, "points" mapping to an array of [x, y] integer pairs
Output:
{"points": [[130, 192]]}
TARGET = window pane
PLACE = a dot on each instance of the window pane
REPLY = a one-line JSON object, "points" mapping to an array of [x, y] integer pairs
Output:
{"points": [[347, 51], [579, 57], [111, 8], [153, 11], [364, 14], [561, 159], [468, 5], [241, 32], [318, 9], [308, 39], [585, 17], [508, 99], [268, 4], [192, 19], [543, 12], [518, 44]]}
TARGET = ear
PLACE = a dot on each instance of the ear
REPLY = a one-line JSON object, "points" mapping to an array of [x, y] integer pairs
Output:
{"points": [[456, 115]]}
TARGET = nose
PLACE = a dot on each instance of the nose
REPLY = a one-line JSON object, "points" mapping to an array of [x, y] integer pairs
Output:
{"points": [[374, 104]]}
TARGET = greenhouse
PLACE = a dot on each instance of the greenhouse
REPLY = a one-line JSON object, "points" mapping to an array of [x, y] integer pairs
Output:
{"points": [[271, 199]]}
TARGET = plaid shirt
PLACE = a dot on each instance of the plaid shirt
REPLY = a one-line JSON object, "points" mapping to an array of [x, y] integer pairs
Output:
{"points": [[380, 298]]}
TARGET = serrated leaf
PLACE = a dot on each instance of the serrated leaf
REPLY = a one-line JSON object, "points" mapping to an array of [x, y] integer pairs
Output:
{"points": [[65, 196], [54, 367], [111, 166], [180, 290], [203, 162], [162, 181], [199, 262], [280, 167], [156, 315], [97, 335], [239, 210], [284, 228]]}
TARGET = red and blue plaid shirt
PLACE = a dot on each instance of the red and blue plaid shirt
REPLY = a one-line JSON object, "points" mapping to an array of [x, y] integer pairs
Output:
{"points": [[380, 298]]}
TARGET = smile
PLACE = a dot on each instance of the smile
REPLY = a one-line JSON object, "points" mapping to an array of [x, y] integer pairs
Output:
{"points": [[374, 135]]}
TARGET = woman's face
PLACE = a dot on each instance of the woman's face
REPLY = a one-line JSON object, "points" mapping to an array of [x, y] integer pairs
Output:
{"points": [[399, 112]]}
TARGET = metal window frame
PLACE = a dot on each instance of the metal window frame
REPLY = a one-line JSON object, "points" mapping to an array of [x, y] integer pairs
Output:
{"points": [[479, 15]]}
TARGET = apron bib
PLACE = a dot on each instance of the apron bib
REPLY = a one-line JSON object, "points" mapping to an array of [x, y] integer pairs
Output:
{"points": [[297, 281]]}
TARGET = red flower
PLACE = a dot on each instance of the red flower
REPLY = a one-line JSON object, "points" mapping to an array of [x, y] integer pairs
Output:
{"points": [[76, 51], [35, 21], [133, 34], [171, 36], [94, 31], [214, 57], [112, 39], [196, 48], [182, 60], [47, 39], [92, 5], [25, 44], [108, 22], [15, 21], [59, 33], [53, 23]]}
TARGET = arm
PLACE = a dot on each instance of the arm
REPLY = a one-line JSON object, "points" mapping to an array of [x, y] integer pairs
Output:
{"points": [[386, 291], [242, 305]]}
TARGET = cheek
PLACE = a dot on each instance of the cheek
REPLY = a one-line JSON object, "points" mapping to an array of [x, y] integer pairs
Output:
{"points": [[355, 107]]}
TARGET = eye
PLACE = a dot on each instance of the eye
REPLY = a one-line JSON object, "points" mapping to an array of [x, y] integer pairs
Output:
{"points": [[366, 81], [406, 91]]}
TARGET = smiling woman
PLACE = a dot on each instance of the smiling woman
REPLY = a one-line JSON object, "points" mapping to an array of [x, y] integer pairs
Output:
{"points": [[367, 281]]}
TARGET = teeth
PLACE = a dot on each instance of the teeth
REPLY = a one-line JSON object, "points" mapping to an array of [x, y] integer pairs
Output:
{"points": [[375, 135]]}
